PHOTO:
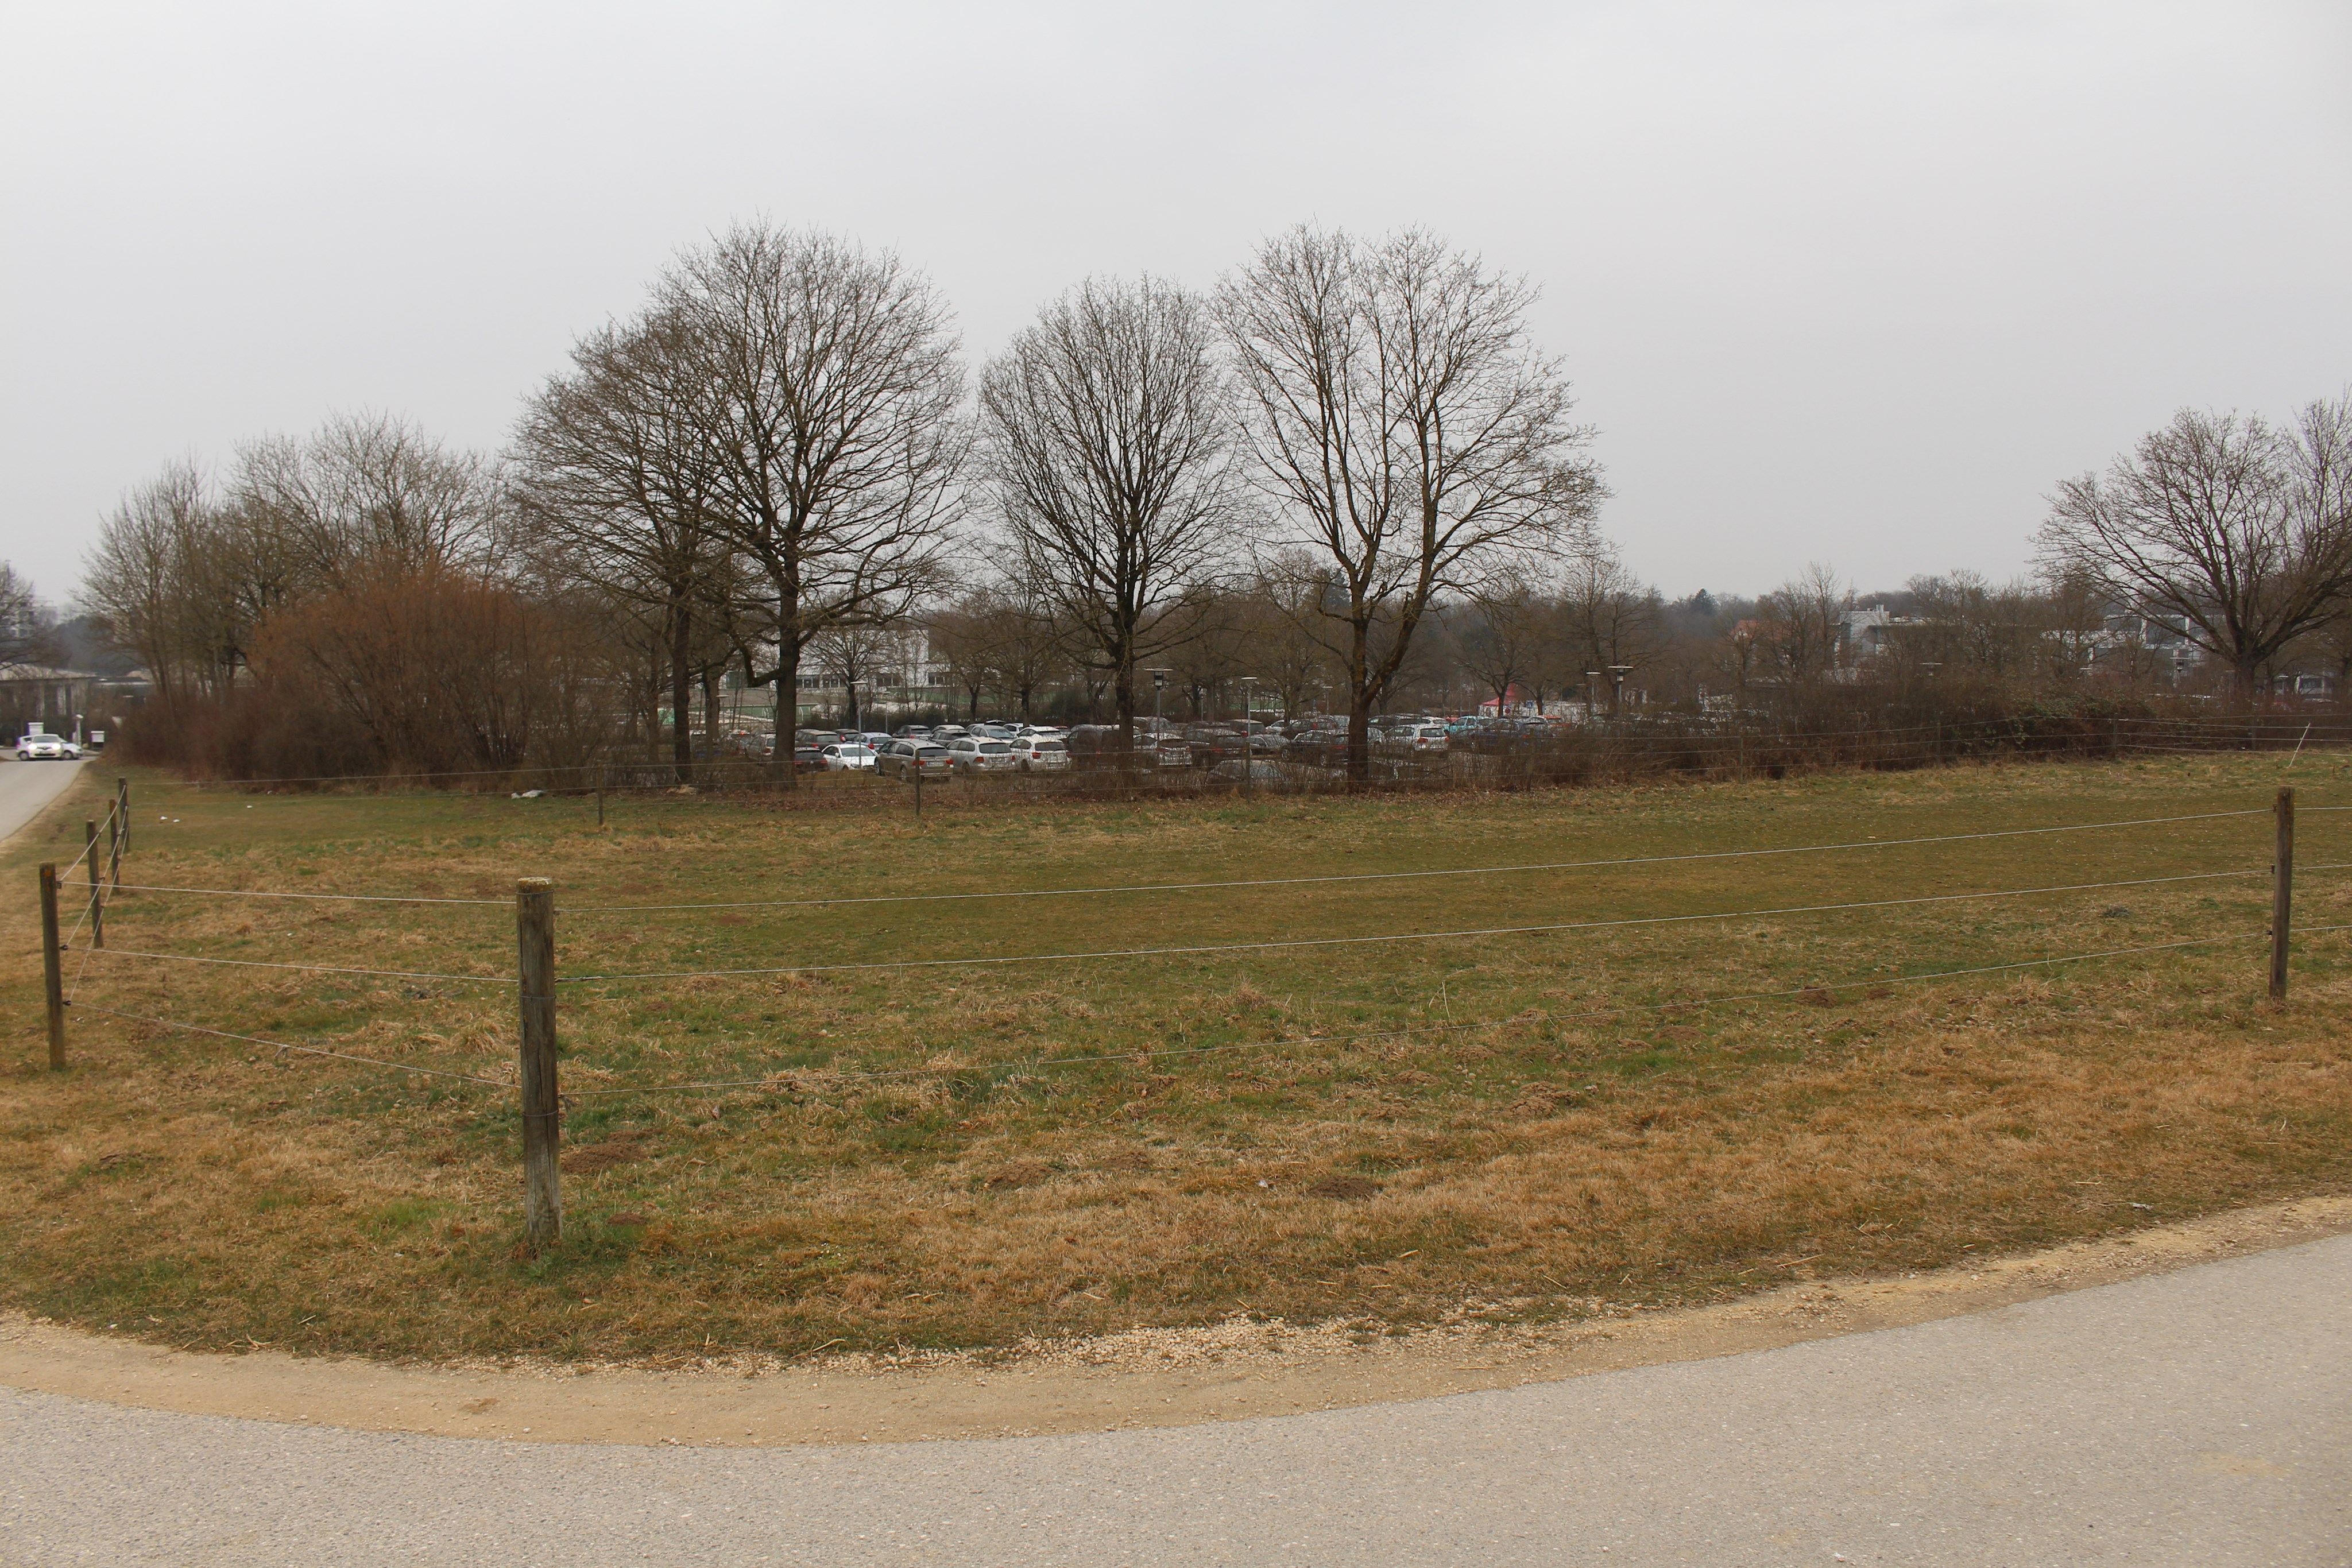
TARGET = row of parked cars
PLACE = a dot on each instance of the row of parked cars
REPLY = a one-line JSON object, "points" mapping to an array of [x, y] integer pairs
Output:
{"points": [[921, 750], [1040, 749], [1231, 750]]}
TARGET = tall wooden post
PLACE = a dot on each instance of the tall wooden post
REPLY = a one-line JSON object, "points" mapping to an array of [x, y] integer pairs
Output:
{"points": [[53, 978], [542, 1125], [114, 847], [97, 884], [123, 809], [2282, 893]]}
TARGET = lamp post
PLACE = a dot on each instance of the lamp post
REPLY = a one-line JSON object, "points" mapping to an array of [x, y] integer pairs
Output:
{"points": [[1617, 673], [1249, 741], [1592, 695], [1159, 689]]}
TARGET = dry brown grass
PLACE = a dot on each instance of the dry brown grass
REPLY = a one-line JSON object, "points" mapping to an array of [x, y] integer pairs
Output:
{"points": [[1521, 1125]]}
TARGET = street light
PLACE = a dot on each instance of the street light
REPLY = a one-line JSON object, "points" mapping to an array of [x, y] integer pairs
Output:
{"points": [[1591, 695], [1249, 741], [1617, 673], [1159, 686]]}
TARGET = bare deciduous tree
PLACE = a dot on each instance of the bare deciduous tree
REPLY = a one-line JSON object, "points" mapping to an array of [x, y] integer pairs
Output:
{"points": [[1406, 429], [1803, 620], [1609, 617], [24, 632], [368, 493], [827, 388], [1502, 635], [618, 477], [2234, 530], [1107, 447], [140, 579]]}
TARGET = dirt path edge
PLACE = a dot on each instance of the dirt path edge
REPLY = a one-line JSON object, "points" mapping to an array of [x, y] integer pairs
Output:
{"points": [[1151, 1377]]}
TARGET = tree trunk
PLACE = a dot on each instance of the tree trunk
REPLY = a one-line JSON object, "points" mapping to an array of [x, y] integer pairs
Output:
{"points": [[1360, 704], [681, 650], [788, 713], [1123, 696]]}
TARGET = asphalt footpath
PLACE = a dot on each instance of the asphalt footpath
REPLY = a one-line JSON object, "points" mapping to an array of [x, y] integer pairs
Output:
{"points": [[27, 787], [2202, 1416]]}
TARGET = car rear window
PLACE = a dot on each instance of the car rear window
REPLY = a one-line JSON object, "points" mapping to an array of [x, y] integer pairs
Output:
{"points": [[995, 749], [1048, 746]]}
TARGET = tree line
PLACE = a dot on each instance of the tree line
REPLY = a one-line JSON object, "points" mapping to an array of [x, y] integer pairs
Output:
{"points": [[1345, 475]]}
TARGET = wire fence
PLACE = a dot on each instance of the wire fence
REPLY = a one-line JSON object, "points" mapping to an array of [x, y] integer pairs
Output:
{"points": [[1206, 759], [585, 986]]}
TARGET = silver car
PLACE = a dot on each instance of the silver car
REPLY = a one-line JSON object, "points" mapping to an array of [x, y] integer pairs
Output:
{"points": [[969, 754], [44, 748], [1041, 754]]}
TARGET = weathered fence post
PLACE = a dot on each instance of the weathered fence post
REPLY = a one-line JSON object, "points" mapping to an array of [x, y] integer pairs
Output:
{"points": [[2282, 893], [542, 1122], [122, 811], [53, 978], [97, 884], [114, 847]]}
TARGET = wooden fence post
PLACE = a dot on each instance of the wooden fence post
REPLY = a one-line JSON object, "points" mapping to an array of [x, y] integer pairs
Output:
{"points": [[97, 884], [114, 847], [2282, 893], [123, 809], [53, 978], [542, 1123]]}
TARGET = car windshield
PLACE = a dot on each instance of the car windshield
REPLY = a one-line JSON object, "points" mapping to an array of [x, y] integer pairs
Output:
{"points": [[995, 749], [856, 750], [1048, 746]]}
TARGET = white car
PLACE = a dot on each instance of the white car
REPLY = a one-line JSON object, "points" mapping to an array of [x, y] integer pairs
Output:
{"points": [[1041, 754], [845, 757], [46, 749], [969, 754]]}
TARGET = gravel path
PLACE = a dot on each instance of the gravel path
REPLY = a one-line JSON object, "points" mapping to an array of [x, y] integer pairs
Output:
{"points": [[2201, 1416]]}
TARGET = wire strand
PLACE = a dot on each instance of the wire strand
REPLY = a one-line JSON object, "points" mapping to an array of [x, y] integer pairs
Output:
{"points": [[351, 897], [1402, 936], [1402, 875], [312, 968]]}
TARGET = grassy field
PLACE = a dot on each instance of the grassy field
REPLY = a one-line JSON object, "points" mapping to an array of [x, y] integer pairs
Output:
{"points": [[1514, 1125]]}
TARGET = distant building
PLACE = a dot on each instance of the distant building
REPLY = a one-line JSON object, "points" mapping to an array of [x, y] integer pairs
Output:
{"points": [[36, 694]]}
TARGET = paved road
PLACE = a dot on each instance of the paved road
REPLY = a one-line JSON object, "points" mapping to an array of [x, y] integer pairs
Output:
{"points": [[27, 787], [2203, 1416]]}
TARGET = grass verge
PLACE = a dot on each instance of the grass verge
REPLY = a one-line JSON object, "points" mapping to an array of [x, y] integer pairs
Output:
{"points": [[1516, 1125]]}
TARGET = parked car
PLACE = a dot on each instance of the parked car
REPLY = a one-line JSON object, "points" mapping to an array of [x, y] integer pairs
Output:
{"points": [[1041, 754], [845, 757], [1410, 740], [807, 758], [970, 754], [914, 732], [876, 738], [1317, 748], [907, 758], [46, 748]]}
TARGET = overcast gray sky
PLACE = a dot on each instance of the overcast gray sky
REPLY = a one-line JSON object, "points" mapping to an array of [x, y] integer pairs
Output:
{"points": [[1853, 283]]}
